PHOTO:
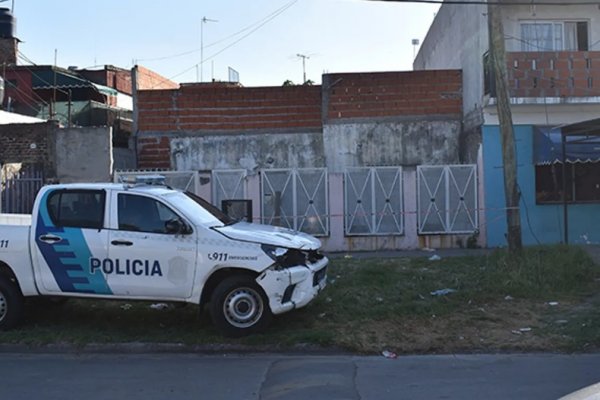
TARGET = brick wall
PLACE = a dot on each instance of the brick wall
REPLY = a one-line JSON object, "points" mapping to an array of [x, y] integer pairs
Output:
{"points": [[220, 109], [196, 107], [148, 80], [154, 152], [554, 74], [8, 51], [18, 88], [393, 94], [116, 78], [28, 144]]}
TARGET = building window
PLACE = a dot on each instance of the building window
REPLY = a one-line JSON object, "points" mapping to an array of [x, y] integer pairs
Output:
{"points": [[554, 36], [582, 183]]}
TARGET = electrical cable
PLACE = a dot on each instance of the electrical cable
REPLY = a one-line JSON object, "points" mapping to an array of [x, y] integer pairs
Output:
{"points": [[281, 11], [497, 2], [27, 103], [220, 40], [527, 215]]}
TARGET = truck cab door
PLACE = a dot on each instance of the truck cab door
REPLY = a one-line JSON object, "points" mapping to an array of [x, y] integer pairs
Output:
{"points": [[70, 233], [150, 254]]}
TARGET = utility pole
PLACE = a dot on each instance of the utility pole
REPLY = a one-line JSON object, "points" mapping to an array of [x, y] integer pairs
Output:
{"points": [[303, 57], [202, 22], [498, 59]]}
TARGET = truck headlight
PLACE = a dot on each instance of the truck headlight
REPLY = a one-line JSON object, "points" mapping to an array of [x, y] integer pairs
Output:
{"points": [[285, 257]]}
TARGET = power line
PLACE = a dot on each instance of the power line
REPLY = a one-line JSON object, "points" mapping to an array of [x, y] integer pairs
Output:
{"points": [[498, 2], [27, 103], [273, 16], [185, 53]]}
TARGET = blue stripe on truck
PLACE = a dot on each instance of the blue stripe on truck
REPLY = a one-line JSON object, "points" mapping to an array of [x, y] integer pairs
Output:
{"points": [[69, 259]]}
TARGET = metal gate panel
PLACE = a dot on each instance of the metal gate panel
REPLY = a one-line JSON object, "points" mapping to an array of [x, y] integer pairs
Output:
{"points": [[447, 199], [228, 185], [358, 201], [19, 186], [278, 197], [373, 201], [431, 188], [462, 198], [183, 180], [311, 201], [296, 199], [387, 183]]}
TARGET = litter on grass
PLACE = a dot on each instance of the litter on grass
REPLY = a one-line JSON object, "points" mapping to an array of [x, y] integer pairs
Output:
{"points": [[508, 298], [435, 257], [389, 354], [553, 303], [442, 292], [525, 329], [159, 306]]}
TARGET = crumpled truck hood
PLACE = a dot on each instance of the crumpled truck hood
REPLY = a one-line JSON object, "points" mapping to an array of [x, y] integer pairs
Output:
{"points": [[271, 235]]}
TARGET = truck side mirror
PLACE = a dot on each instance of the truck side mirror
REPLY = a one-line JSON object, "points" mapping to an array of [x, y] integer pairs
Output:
{"points": [[174, 226]]}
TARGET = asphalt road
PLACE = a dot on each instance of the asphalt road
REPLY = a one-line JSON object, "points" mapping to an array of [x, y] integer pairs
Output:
{"points": [[271, 377]]}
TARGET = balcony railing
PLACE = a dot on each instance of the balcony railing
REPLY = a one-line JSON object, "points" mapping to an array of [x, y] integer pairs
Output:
{"points": [[548, 74]]}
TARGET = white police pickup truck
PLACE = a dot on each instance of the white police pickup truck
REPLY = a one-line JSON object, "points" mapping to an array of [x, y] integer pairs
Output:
{"points": [[146, 241]]}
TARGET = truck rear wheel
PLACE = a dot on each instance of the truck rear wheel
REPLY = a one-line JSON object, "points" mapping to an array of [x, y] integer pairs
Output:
{"points": [[11, 303], [239, 307]]}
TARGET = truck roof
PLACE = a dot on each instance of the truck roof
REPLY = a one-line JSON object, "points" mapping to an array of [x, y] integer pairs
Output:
{"points": [[153, 189]]}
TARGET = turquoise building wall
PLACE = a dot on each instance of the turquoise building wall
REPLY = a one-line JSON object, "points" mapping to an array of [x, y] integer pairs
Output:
{"points": [[540, 223]]}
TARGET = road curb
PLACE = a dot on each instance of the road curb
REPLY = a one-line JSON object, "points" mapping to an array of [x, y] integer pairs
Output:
{"points": [[166, 348]]}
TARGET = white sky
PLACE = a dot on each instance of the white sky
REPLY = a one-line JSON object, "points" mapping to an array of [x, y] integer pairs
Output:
{"points": [[338, 35]]}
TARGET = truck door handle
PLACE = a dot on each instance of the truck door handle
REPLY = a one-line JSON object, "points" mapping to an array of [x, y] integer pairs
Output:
{"points": [[50, 239], [121, 243]]}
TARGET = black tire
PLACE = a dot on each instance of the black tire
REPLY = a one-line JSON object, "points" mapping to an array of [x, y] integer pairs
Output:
{"points": [[11, 303], [239, 307]]}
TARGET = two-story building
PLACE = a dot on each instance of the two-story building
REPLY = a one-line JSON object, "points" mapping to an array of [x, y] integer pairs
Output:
{"points": [[553, 63]]}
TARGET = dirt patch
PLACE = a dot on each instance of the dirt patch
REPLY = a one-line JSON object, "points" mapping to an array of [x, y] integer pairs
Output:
{"points": [[507, 326]]}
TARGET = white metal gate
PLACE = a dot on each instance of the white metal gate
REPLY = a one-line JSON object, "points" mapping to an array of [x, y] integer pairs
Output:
{"points": [[447, 199], [182, 180], [373, 201], [296, 199], [228, 184]]}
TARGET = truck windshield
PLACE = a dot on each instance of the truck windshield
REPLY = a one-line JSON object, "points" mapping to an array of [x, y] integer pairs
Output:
{"points": [[218, 214], [198, 209]]}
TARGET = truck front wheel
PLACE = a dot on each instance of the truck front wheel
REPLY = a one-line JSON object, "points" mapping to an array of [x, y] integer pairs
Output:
{"points": [[11, 303], [239, 307]]}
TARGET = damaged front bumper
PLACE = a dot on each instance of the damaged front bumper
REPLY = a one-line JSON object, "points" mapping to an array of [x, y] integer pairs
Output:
{"points": [[293, 287]]}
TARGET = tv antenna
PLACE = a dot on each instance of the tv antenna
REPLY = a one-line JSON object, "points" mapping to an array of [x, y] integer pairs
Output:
{"points": [[202, 22], [304, 57]]}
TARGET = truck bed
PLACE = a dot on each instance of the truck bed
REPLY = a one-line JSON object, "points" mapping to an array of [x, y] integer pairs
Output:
{"points": [[15, 219]]}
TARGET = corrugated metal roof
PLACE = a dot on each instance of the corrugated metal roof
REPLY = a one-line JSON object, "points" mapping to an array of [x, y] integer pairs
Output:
{"points": [[49, 79]]}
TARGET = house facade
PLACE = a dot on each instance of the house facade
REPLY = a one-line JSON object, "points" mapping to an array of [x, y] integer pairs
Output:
{"points": [[366, 161], [552, 57]]}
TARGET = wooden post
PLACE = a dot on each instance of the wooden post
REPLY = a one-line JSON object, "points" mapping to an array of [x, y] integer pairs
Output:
{"points": [[498, 57]]}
